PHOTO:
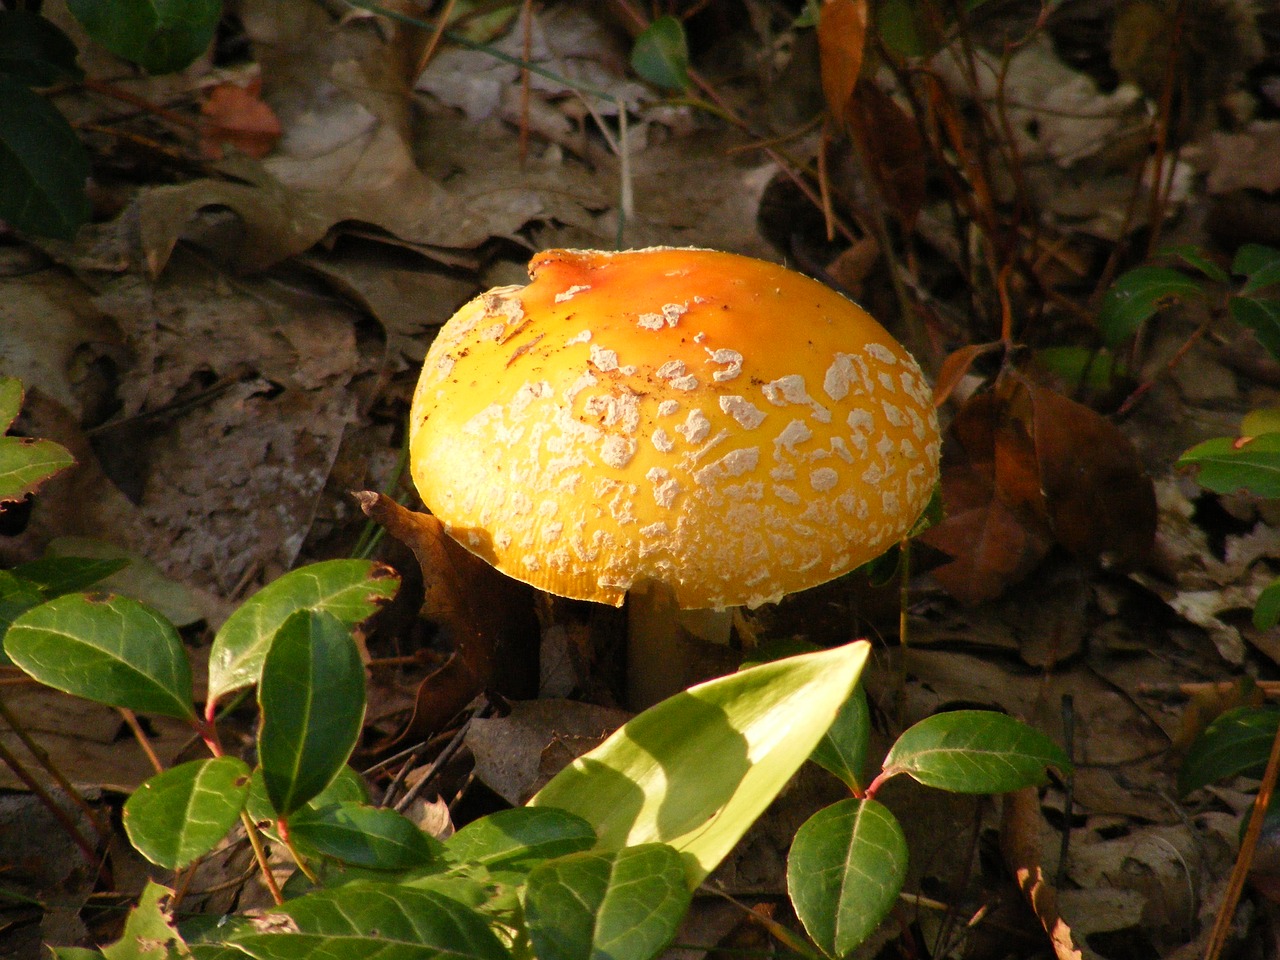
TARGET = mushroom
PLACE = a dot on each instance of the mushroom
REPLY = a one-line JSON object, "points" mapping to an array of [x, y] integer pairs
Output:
{"points": [[687, 427]]}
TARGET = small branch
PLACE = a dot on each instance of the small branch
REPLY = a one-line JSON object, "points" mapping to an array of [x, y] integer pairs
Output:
{"points": [[141, 736], [260, 854]]}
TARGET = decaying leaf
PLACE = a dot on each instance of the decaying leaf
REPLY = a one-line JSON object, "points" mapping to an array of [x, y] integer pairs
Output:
{"points": [[484, 615], [1030, 468], [842, 37], [238, 116]]}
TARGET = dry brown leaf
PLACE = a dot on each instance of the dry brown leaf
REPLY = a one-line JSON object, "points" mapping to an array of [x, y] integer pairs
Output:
{"points": [[1020, 843], [892, 150], [842, 37], [487, 617]]}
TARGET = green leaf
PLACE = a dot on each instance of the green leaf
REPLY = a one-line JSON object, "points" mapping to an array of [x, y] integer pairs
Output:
{"points": [[58, 575], [43, 166], [183, 813], [10, 401], [1260, 316], [312, 701], [696, 770], [1137, 295], [376, 920], [843, 749], [661, 54], [1225, 465], [1080, 366], [1266, 612], [364, 836], [1194, 257], [845, 870], [34, 51], [159, 35], [1237, 742], [105, 648], [518, 840], [149, 933], [351, 590], [599, 906], [974, 751], [1258, 264], [16, 597], [346, 787], [138, 578]]}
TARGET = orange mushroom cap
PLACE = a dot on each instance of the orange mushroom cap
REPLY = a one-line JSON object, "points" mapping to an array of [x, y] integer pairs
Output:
{"points": [[715, 422]]}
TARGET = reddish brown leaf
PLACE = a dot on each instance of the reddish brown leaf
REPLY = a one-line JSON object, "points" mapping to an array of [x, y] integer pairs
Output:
{"points": [[1099, 498], [488, 617], [995, 529], [892, 149], [238, 116], [955, 366], [842, 37]]}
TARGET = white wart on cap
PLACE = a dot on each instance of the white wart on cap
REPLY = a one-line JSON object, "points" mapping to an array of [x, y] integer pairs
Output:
{"points": [[713, 422]]}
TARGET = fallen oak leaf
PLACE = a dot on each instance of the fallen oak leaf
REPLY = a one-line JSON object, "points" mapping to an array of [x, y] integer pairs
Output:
{"points": [[486, 616]]}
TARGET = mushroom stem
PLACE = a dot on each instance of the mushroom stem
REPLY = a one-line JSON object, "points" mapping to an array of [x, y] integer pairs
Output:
{"points": [[660, 642]]}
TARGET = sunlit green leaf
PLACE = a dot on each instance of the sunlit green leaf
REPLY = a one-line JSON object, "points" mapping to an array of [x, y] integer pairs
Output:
{"points": [[595, 906], [1266, 612], [183, 813], [974, 751], [365, 836], [312, 698], [653, 780], [376, 920], [843, 750], [351, 590], [105, 648], [845, 870], [149, 933]]}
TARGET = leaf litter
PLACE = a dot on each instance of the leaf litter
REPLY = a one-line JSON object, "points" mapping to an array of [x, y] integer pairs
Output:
{"points": [[228, 354]]}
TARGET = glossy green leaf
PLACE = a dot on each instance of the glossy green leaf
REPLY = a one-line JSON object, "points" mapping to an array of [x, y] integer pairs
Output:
{"points": [[1237, 742], [1226, 465], [58, 575], [365, 836], [1195, 258], [159, 35], [346, 787], [845, 870], [43, 166], [34, 51], [843, 749], [376, 920], [974, 751], [1266, 612], [661, 54], [183, 813], [74, 953], [24, 463], [312, 699], [105, 648], [1259, 265], [1137, 295], [519, 839], [654, 779], [351, 590], [1260, 316], [138, 577], [608, 905], [149, 933]]}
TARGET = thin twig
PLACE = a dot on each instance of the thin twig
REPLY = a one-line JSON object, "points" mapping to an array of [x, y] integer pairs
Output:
{"points": [[141, 736]]}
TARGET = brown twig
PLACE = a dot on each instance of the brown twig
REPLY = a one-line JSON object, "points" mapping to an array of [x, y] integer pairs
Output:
{"points": [[140, 735]]}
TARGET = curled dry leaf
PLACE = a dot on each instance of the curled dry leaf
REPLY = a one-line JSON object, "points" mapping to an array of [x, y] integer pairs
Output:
{"points": [[1020, 844], [238, 116], [1028, 468], [485, 615]]}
